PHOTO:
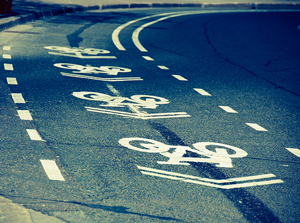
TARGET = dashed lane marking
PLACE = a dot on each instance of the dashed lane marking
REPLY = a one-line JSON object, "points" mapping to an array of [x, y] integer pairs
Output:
{"points": [[6, 47], [163, 67], [295, 151], [256, 127], [34, 135], [18, 98], [202, 92], [148, 58], [24, 115], [228, 109], [52, 170], [11, 81], [6, 56], [179, 77], [8, 66]]}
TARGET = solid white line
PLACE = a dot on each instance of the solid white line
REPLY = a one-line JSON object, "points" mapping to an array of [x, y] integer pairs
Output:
{"points": [[52, 170], [6, 56], [252, 184], [18, 98], [202, 92], [6, 47], [24, 115], [256, 127], [117, 79], [148, 58], [295, 151], [163, 67], [11, 80], [8, 66], [115, 34], [179, 77], [228, 109], [34, 135]]}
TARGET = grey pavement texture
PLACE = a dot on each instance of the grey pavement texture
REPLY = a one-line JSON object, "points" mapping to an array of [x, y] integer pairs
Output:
{"points": [[29, 10]]}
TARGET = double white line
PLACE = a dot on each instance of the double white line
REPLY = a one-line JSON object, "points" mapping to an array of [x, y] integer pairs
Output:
{"points": [[229, 183]]}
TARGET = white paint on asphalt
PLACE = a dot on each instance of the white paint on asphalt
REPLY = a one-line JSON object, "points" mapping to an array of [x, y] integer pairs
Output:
{"points": [[34, 135], [148, 58], [115, 79], [52, 170], [24, 115], [228, 109], [295, 151], [163, 67], [11, 81], [179, 77], [18, 98], [6, 56], [256, 127], [8, 66], [6, 47], [116, 32], [202, 92]]}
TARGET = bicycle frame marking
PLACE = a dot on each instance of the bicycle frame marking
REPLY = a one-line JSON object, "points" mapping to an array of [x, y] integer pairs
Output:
{"points": [[230, 183], [221, 158], [134, 103], [83, 53]]}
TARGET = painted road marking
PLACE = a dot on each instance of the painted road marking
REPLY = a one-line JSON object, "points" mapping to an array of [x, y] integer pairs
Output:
{"points": [[256, 127], [179, 77], [116, 32], [115, 79], [18, 98], [34, 135], [11, 81], [202, 92], [24, 115], [6, 47], [228, 109], [6, 56], [148, 58], [163, 67], [295, 151], [8, 66], [231, 183], [52, 170]]}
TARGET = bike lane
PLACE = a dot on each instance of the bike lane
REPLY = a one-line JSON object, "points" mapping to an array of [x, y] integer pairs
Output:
{"points": [[81, 126]]}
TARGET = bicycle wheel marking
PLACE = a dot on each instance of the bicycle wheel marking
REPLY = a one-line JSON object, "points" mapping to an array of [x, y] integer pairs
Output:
{"points": [[134, 104]]}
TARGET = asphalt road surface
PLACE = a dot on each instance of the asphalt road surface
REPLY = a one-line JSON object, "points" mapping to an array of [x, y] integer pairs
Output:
{"points": [[165, 115]]}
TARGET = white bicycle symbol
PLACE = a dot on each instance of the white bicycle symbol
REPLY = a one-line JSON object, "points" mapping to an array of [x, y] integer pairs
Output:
{"points": [[145, 101], [219, 156], [87, 53], [110, 70]]}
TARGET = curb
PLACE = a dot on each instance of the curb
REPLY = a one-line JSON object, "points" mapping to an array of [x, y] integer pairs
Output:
{"points": [[25, 17]]}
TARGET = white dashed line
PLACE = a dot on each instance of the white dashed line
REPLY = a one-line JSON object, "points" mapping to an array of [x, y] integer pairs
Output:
{"points": [[163, 67], [6, 47], [11, 81], [228, 109], [6, 56], [148, 58], [178, 77], [24, 115], [202, 92], [52, 170], [256, 127], [18, 98], [295, 151], [34, 135], [8, 66]]}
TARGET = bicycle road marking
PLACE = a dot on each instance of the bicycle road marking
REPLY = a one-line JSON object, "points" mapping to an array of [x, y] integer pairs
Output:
{"points": [[295, 151], [52, 170], [256, 127], [228, 109], [11, 81]]}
